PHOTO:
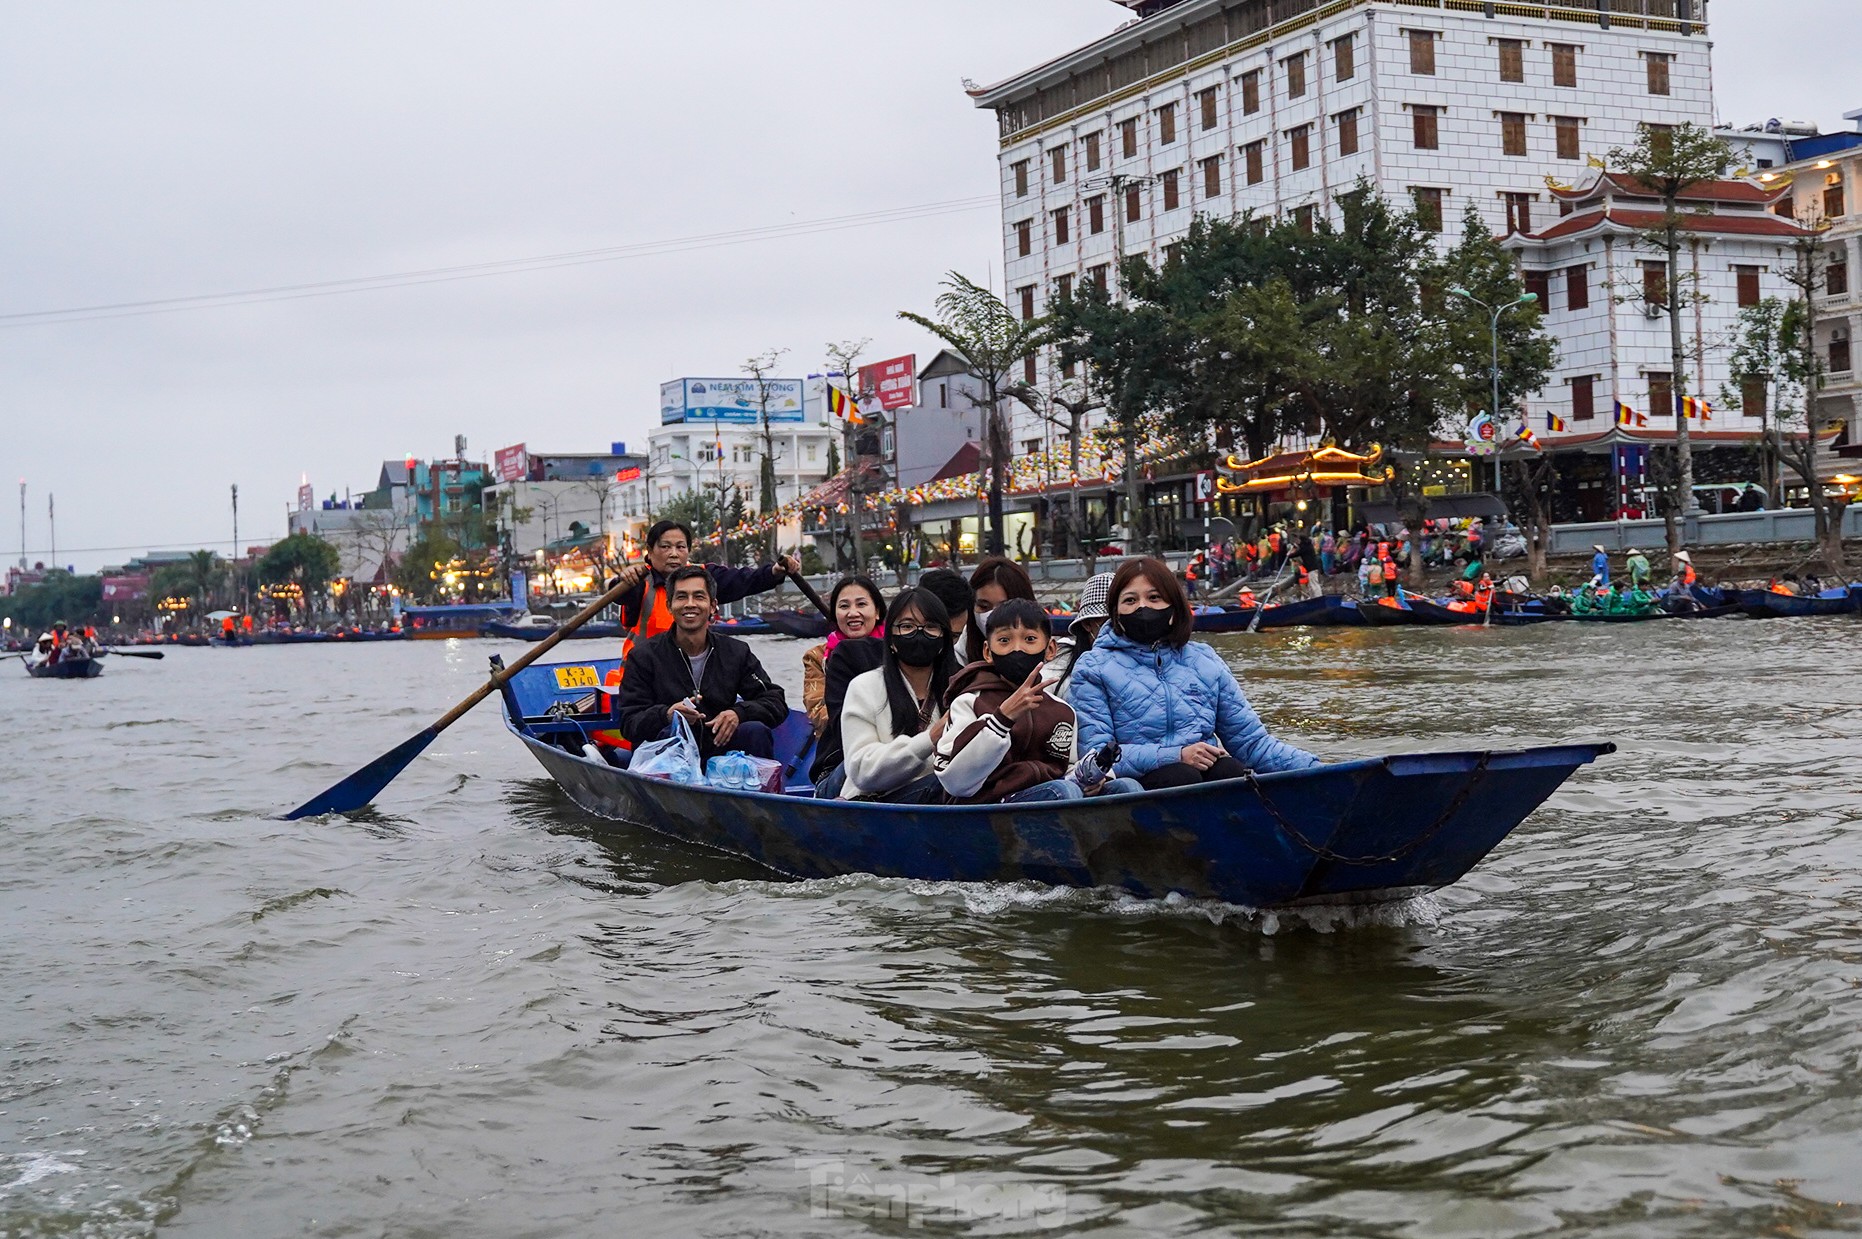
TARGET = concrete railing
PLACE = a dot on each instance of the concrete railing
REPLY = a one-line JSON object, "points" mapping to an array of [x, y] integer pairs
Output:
{"points": [[1728, 529]]}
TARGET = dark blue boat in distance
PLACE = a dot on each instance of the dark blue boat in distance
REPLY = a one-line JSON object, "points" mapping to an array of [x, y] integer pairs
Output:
{"points": [[1377, 829]]}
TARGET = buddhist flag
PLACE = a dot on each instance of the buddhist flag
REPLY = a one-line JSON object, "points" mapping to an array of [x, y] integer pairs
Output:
{"points": [[1523, 433], [840, 404], [1693, 407], [1626, 416], [1554, 423]]}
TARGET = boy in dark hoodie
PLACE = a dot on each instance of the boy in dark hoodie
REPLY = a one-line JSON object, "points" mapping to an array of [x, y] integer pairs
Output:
{"points": [[1005, 740]]}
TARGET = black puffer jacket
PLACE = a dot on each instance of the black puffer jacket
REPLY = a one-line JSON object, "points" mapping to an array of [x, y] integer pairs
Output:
{"points": [[659, 675]]}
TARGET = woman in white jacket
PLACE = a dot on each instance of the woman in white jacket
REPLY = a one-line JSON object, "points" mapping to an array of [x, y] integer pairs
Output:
{"points": [[892, 717]]}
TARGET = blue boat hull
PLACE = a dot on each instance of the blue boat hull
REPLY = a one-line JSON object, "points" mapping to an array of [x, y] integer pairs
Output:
{"points": [[1764, 604], [1360, 831]]}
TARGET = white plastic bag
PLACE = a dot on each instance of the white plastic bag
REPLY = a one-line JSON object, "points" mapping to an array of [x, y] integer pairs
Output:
{"points": [[675, 758]]}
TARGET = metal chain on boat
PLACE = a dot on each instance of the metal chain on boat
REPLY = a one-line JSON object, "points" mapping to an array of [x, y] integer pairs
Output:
{"points": [[1325, 853]]}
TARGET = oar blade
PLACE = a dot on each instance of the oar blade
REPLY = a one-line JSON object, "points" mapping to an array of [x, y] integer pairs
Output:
{"points": [[365, 784]]}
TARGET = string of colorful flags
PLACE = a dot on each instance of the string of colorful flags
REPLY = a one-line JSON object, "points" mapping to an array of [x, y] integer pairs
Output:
{"points": [[1100, 463]]}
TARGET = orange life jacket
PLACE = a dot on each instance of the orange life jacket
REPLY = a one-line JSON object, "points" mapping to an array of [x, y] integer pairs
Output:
{"points": [[1687, 574], [1304, 579], [654, 618]]}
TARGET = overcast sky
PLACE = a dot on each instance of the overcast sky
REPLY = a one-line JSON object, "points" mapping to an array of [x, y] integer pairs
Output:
{"points": [[162, 151]]}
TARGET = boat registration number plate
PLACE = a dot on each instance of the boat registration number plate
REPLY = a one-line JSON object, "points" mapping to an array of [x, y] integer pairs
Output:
{"points": [[576, 677]]}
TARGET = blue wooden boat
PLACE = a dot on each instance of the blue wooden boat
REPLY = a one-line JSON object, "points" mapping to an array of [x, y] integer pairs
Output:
{"points": [[743, 626], [519, 631], [809, 625], [66, 669], [1764, 604], [1358, 831]]}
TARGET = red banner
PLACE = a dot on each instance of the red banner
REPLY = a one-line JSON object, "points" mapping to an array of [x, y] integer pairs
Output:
{"points": [[130, 587], [629, 474], [512, 464], [891, 381]]}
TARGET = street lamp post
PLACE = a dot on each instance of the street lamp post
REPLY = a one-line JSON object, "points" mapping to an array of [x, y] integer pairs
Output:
{"points": [[1493, 334]]}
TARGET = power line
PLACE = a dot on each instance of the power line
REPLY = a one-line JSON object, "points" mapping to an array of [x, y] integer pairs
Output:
{"points": [[482, 270], [205, 544]]}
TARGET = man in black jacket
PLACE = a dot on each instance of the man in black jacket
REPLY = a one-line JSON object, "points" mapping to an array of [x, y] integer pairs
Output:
{"points": [[713, 681]]}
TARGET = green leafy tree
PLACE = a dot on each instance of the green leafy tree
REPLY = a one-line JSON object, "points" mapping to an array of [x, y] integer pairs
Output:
{"points": [[1671, 162], [303, 560], [760, 368], [993, 340], [77, 600]]}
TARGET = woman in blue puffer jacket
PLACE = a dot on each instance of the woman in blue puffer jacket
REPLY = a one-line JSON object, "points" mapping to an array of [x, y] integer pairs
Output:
{"points": [[1172, 704]]}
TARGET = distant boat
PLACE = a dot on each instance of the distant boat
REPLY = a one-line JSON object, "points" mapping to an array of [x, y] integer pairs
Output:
{"points": [[66, 669], [1767, 604]]}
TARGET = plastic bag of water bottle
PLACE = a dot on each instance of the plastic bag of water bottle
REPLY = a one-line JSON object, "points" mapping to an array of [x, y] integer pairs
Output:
{"points": [[725, 772], [675, 758]]}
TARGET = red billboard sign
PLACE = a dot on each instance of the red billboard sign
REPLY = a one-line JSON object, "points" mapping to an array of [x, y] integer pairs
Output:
{"points": [[512, 463], [629, 474], [891, 381], [130, 587]]}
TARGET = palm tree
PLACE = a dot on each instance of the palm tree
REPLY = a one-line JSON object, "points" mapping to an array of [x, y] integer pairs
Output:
{"points": [[978, 326], [201, 575]]}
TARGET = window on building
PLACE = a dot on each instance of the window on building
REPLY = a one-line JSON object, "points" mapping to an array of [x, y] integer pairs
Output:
{"points": [[1295, 67], [1028, 370], [1057, 164], [1513, 134], [1063, 232], [1583, 397], [1344, 59], [1836, 277], [1097, 276], [1172, 195], [1569, 130], [1305, 218], [1027, 300], [1031, 447], [1512, 59], [1564, 64], [1657, 64], [1096, 214], [887, 445], [1661, 394], [1347, 124], [1212, 176], [1428, 207], [1206, 101], [1299, 148], [1577, 287], [1068, 369], [1128, 138], [1063, 286], [1661, 139], [1251, 92], [1255, 153], [1519, 215], [1167, 124], [1172, 252], [1655, 283], [1746, 281], [1754, 395], [1833, 206], [1539, 284], [1092, 152], [1839, 352], [1422, 52], [943, 395], [1134, 204], [1020, 169], [1424, 126], [1024, 237]]}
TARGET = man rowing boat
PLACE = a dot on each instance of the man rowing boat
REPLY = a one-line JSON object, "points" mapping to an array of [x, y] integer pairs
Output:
{"points": [[646, 608]]}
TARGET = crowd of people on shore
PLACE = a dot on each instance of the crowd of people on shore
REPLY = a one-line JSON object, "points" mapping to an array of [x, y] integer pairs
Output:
{"points": [[953, 691], [1300, 557]]}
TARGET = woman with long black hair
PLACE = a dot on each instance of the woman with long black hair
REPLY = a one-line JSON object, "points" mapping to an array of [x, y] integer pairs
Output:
{"points": [[893, 716], [995, 581], [850, 651]]}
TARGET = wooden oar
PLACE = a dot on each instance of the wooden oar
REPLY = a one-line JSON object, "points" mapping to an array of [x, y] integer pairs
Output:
{"points": [[808, 592], [365, 784], [133, 653]]}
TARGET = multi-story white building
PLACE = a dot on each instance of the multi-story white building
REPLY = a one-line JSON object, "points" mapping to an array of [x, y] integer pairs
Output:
{"points": [[1825, 177], [1221, 107], [1603, 288]]}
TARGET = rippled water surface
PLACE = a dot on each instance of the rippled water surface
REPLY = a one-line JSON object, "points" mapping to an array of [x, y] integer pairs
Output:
{"points": [[480, 1012]]}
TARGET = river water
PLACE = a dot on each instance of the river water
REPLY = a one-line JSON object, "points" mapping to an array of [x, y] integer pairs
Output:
{"points": [[478, 1012]]}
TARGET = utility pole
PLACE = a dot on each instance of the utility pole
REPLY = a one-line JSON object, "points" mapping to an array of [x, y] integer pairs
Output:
{"points": [[22, 524], [51, 513], [235, 559]]}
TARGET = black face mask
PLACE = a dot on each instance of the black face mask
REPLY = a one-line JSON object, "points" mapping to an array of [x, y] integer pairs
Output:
{"points": [[1146, 625], [1016, 667], [918, 649]]}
